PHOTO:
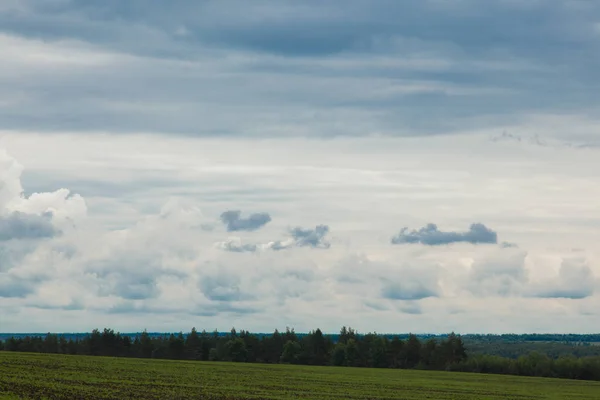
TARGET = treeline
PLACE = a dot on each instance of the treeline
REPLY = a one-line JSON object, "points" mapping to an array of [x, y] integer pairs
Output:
{"points": [[515, 350], [535, 337], [533, 364], [346, 349], [314, 348]]}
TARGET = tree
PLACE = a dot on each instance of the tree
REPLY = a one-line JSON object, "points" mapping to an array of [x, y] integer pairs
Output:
{"points": [[109, 343], [95, 343], [253, 346], [453, 349], [352, 353], [236, 350], [176, 346], [291, 352], [51, 343], [146, 345], [396, 353], [412, 351], [430, 354], [213, 355], [272, 347], [72, 347], [290, 335], [346, 334], [205, 345], [192, 346], [378, 353], [315, 348], [338, 356]]}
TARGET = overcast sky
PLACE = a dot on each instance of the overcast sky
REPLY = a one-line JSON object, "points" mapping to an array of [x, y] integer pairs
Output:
{"points": [[396, 166]]}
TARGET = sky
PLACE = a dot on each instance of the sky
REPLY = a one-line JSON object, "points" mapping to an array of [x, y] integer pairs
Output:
{"points": [[394, 166]]}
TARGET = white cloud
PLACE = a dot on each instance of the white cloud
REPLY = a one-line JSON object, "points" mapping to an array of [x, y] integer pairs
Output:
{"points": [[575, 280], [150, 255], [499, 274]]}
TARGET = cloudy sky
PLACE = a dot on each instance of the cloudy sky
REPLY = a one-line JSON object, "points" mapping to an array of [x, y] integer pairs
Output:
{"points": [[396, 166]]}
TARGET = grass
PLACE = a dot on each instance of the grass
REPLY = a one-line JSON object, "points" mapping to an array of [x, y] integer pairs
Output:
{"points": [[45, 376]]}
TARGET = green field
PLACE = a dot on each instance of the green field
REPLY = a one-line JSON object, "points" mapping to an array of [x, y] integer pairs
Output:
{"points": [[44, 376]]}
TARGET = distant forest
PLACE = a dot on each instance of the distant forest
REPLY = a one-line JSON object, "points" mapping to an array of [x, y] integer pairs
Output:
{"points": [[560, 356]]}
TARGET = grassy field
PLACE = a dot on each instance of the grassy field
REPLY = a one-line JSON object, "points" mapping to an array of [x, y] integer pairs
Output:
{"points": [[42, 376]]}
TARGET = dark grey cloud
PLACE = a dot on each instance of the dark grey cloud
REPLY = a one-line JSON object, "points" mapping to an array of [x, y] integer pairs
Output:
{"points": [[312, 27], [375, 306], [11, 286], [130, 277], [408, 290], [536, 140], [300, 274], [205, 310], [130, 307], [410, 307], [311, 237], [235, 246], [19, 225], [300, 237], [342, 67], [13, 252], [430, 235], [565, 293], [510, 137], [129, 286], [136, 288], [16, 282], [222, 287], [214, 309], [74, 305], [280, 245], [234, 222]]}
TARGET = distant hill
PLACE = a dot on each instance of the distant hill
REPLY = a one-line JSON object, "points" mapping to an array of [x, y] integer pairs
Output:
{"points": [[570, 338]]}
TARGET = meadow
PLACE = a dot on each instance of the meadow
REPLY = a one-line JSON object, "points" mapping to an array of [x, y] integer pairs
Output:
{"points": [[50, 376]]}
